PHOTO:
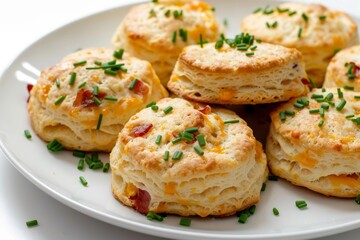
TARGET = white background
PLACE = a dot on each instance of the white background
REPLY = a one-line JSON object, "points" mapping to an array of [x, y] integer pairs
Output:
{"points": [[21, 23]]}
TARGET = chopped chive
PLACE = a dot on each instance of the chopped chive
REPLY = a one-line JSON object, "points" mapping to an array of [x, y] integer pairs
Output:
{"points": [[325, 106], [305, 17], [322, 112], [242, 48], [231, 121], [346, 64], [198, 150], [282, 10], [177, 155], [252, 48], [106, 167], [167, 13], [187, 136], [356, 97], [110, 72], [321, 123], [133, 83], [282, 116], [322, 17], [155, 1], [219, 44], [174, 37], [192, 129], [57, 82], [158, 139], [110, 99], [340, 93], [96, 101], [166, 155], [243, 218], [289, 113], [331, 104], [83, 84], [201, 41], [108, 65], [357, 199], [168, 109], [79, 63], [314, 96], [96, 165], [88, 161], [336, 50], [273, 178], [176, 140], [60, 100], [341, 105], [258, 40], [177, 14], [349, 87], [323, 89], [313, 84], [276, 211], [303, 101], [185, 222], [72, 78], [81, 164], [298, 105], [268, 25], [99, 121], [124, 70], [152, 13], [83, 181], [183, 34], [274, 25], [252, 209], [349, 116], [119, 54], [54, 146], [299, 32], [267, 12], [225, 22], [77, 153], [27, 134], [153, 216], [312, 111], [249, 54], [150, 104], [292, 13], [32, 223], [257, 10], [96, 90], [301, 204], [329, 96], [154, 108], [98, 63], [201, 140], [95, 157], [263, 187]]}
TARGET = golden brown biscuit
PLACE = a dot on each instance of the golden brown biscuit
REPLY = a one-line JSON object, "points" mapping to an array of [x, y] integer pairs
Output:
{"points": [[157, 32], [89, 113], [314, 30], [228, 76], [318, 149], [344, 69], [225, 179]]}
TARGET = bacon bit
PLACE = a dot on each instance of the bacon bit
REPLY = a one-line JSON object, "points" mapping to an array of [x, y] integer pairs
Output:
{"points": [[305, 81], [356, 69], [140, 130], [84, 98], [140, 88], [141, 201], [29, 87], [204, 110]]}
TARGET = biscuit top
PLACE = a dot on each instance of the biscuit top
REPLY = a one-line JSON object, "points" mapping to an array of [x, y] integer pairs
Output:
{"points": [[228, 59], [227, 145], [116, 101], [301, 25], [171, 25], [335, 128]]}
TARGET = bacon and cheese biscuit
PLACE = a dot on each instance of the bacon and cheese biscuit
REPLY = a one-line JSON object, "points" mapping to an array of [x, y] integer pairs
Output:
{"points": [[344, 69], [314, 142], [84, 104], [157, 32], [187, 159], [227, 75], [311, 28]]}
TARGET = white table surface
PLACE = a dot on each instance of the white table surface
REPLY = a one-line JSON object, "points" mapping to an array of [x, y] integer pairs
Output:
{"points": [[21, 23]]}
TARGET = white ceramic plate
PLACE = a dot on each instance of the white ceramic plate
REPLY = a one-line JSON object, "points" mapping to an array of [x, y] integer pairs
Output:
{"points": [[57, 175]]}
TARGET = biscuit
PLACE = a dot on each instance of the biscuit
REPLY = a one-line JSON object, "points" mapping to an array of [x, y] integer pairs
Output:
{"points": [[228, 76], [318, 152], [344, 69], [317, 32], [225, 179], [69, 112], [157, 32]]}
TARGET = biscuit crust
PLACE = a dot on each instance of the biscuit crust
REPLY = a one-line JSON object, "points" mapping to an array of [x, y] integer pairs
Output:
{"points": [[225, 179]]}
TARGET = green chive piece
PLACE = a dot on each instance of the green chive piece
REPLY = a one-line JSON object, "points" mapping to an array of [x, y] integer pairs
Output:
{"points": [[201, 42], [119, 54], [198, 150], [346, 87], [72, 78], [275, 211], [312, 111], [79, 63], [331, 104], [325, 106], [96, 101], [57, 82], [81, 164], [176, 140], [155, 1], [167, 13], [185, 222], [110, 72], [349, 116], [274, 25], [77, 153], [231, 121], [96, 165], [54, 146], [183, 34], [301, 204], [32, 223], [83, 181], [219, 44], [225, 22], [263, 187], [27, 134], [88, 161], [98, 63], [95, 157], [249, 54], [346, 64], [282, 116], [124, 70], [252, 48], [174, 37], [292, 13], [257, 10], [289, 113], [158, 139], [192, 129], [106, 167], [154, 108], [299, 32], [282, 10], [313, 84], [153, 216], [201, 140], [357, 199], [99, 121], [243, 218], [258, 40], [267, 12], [322, 17], [268, 25], [166, 155], [83, 84], [177, 155], [329, 96], [341, 105], [340, 93], [60, 100], [187, 136], [252, 209], [298, 105], [177, 14], [96, 90], [322, 112], [314, 96], [133, 83], [356, 97], [151, 104], [321, 123], [110, 99], [303, 101], [323, 89], [168, 109], [336, 50], [305, 17], [273, 178]]}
